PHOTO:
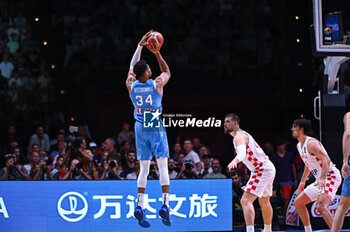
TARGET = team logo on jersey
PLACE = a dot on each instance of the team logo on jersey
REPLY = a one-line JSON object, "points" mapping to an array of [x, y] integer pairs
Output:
{"points": [[151, 119]]}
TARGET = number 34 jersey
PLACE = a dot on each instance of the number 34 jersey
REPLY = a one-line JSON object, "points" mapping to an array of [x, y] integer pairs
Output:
{"points": [[144, 97]]}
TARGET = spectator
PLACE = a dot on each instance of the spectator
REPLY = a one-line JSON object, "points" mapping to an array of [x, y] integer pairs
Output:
{"points": [[59, 170], [268, 148], [125, 134], [6, 67], [180, 162], [129, 167], [188, 171], [153, 171], [13, 170], [15, 79], [41, 139], [41, 171], [19, 158], [54, 143], [60, 150], [216, 174], [112, 153], [95, 157], [135, 174], [276, 200], [237, 193], [202, 151], [192, 155], [206, 165], [196, 144], [242, 171], [111, 171], [13, 30], [34, 160], [124, 152], [9, 136], [171, 168], [76, 172], [13, 44], [176, 151], [284, 162]]}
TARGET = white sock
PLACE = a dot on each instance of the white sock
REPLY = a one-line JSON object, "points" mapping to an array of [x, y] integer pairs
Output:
{"points": [[250, 228], [267, 228], [308, 228], [165, 199], [140, 200]]}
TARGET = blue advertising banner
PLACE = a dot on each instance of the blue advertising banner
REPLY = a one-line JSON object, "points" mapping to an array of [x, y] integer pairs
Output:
{"points": [[196, 205]]}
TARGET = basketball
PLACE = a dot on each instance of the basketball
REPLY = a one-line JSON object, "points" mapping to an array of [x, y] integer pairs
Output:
{"points": [[156, 38]]}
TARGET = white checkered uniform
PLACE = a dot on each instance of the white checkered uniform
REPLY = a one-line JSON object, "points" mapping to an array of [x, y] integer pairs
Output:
{"points": [[261, 168], [314, 164]]}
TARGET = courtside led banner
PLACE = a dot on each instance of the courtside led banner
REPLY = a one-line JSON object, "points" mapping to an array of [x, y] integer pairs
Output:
{"points": [[196, 205]]}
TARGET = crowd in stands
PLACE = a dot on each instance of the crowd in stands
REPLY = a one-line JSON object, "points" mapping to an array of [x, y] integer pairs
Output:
{"points": [[74, 156]]}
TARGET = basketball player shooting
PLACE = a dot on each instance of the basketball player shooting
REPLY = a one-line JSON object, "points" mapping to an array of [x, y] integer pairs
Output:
{"points": [[262, 173], [321, 167], [146, 96]]}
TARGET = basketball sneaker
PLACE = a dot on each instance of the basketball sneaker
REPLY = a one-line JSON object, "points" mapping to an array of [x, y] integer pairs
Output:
{"points": [[140, 216], [164, 213]]}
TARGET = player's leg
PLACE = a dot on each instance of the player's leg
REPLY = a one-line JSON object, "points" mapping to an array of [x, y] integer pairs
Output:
{"points": [[266, 179], [159, 145], [164, 211], [338, 219], [323, 201], [300, 204], [248, 210], [343, 206], [267, 212], [144, 154]]}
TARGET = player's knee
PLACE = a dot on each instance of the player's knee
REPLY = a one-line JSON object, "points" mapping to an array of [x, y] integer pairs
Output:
{"points": [[263, 202], [245, 201], [298, 202], [321, 205]]}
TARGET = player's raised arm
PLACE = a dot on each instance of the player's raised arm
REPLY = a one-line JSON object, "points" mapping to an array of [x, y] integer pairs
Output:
{"points": [[164, 77], [135, 58]]}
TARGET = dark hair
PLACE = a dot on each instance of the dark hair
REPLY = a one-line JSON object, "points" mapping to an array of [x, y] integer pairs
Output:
{"points": [[131, 151], [303, 123], [188, 139], [35, 144], [234, 117], [140, 68]]}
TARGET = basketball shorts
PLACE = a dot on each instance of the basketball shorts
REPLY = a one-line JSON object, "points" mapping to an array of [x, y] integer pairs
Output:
{"points": [[332, 184], [150, 140], [346, 187], [261, 180]]}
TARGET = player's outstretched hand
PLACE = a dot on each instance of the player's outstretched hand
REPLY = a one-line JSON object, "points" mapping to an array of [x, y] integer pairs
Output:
{"points": [[232, 165], [144, 39], [154, 48]]}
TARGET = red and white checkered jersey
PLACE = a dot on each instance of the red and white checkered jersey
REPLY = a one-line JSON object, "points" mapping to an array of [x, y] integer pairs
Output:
{"points": [[313, 163], [255, 157]]}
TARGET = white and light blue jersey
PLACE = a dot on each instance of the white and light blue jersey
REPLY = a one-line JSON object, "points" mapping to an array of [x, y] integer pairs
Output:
{"points": [[144, 97]]}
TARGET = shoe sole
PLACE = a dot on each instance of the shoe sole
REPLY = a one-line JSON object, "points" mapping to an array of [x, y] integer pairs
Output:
{"points": [[165, 217], [142, 222]]}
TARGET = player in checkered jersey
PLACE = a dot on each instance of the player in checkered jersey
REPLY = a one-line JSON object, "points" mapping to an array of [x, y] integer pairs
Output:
{"points": [[344, 203], [262, 173], [321, 167]]}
